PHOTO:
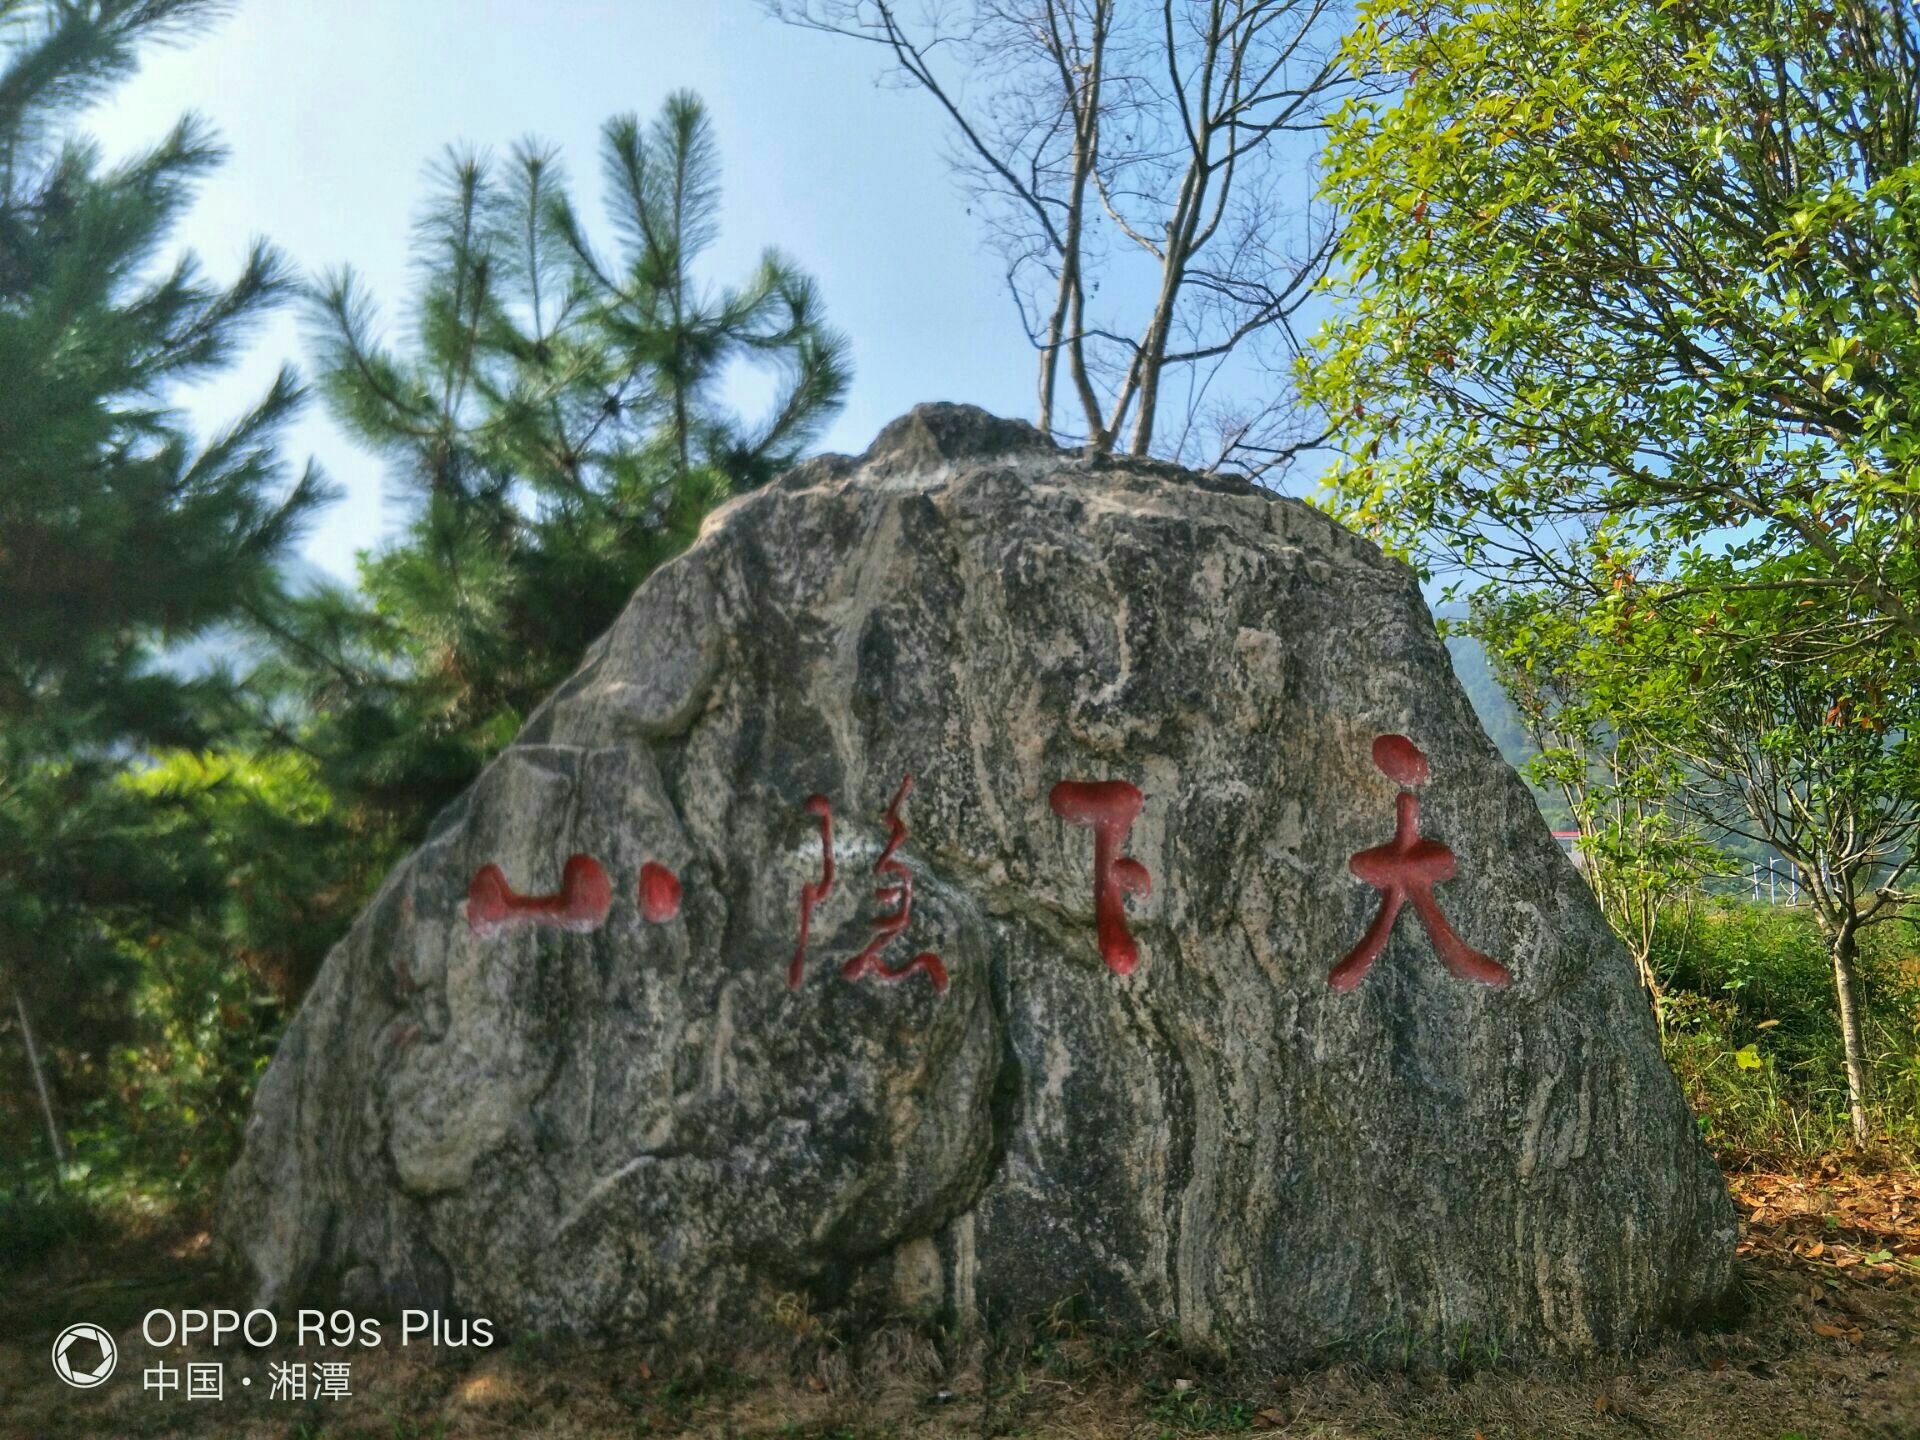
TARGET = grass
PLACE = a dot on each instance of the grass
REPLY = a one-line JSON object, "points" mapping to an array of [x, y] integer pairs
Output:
{"points": [[1752, 1032]]}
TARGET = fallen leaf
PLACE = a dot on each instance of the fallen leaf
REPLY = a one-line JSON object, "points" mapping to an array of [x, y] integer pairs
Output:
{"points": [[1832, 1332]]}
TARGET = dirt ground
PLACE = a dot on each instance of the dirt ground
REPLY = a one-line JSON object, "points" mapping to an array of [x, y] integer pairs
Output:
{"points": [[1827, 1348]]}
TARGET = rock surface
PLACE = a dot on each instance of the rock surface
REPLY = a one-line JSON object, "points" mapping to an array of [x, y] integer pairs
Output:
{"points": [[611, 1112]]}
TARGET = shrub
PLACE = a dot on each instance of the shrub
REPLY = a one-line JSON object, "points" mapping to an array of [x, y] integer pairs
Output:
{"points": [[1753, 1032]]}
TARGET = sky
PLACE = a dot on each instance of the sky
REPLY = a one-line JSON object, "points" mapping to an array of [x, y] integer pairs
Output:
{"points": [[333, 112]]}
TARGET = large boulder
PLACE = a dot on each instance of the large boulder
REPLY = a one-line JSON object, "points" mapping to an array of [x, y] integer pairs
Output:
{"points": [[1240, 985]]}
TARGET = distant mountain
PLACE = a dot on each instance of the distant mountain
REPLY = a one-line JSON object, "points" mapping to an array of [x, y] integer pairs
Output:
{"points": [[1501, 721], [1504, 727], [1497, 715]]}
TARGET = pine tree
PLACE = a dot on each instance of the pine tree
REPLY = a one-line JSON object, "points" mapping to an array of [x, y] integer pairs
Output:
{"points": [[555, 418], [118, 535]]}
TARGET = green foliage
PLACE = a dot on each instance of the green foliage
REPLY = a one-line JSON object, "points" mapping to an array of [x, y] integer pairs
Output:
{"points": [[1756, 981], [1638, 850], [1637, 276], [1630, 311], [555, 416], [118, 534], [1183, 1408], [211, 996], [181, 853], [159, 1085], [1819, 760], [1660, 719], [39, 1218]]}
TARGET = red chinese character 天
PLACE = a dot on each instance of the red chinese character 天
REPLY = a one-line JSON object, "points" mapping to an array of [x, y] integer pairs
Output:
{"points": [[659, 893], [1108, 808], [1405, 870], [890, 924], [813, 892], [581, 903]]}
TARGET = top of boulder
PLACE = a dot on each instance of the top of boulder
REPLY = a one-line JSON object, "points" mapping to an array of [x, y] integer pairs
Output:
{"points": [[941, 430]]}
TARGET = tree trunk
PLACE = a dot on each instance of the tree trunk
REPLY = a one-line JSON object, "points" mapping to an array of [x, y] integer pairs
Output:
{"points": [[1086, 152], [40, 1084], [1846, 989], [1650, 985], [1050, 356]]}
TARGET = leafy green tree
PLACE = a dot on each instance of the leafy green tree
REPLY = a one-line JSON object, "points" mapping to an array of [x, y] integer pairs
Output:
{"points": [[117, 533], [208, 994], [1820, 762], [557, 418], [1638, 275], [1629, 326], [1639, 850]]}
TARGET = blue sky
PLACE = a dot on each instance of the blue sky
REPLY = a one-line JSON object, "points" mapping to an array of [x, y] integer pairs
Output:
{"points": [[333, 112]]}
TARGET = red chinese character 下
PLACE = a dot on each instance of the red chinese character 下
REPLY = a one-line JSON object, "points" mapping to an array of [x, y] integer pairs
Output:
{"points": [[1405, 870], [1108, 808], [890, 924]]}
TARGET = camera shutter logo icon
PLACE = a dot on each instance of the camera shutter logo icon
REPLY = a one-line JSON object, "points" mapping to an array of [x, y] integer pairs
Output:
{"points": [[84, 1356]]}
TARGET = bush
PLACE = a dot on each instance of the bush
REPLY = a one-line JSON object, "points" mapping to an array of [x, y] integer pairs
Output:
{"points": [[1753, 1031], [39, 1218]]}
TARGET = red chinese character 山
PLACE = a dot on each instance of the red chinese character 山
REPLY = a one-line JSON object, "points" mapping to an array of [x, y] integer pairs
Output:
{"points": [[1404, 870], [581, 903], [1108, 808]]}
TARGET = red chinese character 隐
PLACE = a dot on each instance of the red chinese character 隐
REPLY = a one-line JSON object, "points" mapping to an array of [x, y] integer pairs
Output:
{"points": [[1405, 870], [890, 924], [1108, 808], [581, 902]]}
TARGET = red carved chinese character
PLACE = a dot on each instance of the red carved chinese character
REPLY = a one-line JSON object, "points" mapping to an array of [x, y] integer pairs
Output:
{"points": [[1405, 870], [812, 893], [659, 893], [1108, 807], [581, 902], [891, 924]]}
